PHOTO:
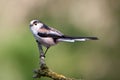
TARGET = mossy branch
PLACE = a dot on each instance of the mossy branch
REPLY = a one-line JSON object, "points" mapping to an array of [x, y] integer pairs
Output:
{"points": [[44, 70]]}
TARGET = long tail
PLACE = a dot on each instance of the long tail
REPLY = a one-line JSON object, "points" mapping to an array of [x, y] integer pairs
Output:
{"points": [[73, 39]]}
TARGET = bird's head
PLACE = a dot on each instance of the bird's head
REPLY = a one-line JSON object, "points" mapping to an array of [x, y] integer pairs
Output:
{"points": [[36, 23]]}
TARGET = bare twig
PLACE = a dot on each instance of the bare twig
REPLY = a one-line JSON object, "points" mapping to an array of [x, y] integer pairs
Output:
{"points": [[42, 57]]}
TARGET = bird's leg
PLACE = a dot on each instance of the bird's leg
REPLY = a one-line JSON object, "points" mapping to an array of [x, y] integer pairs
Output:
{"points": [[42, 61], [46, 51], [40, 48]]}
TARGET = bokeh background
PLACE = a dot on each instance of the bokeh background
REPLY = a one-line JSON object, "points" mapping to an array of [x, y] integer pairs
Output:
{"points": [[91, 60]]}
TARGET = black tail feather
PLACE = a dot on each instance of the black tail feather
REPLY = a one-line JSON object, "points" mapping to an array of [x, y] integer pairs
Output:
{"points": [[89, 38]]}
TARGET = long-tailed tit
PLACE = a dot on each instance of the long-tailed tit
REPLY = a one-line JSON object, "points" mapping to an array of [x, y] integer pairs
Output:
{"points": [[48, 36]]}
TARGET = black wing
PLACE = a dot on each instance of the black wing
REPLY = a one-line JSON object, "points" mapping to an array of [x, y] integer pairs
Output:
{"points": [[49, 35]]}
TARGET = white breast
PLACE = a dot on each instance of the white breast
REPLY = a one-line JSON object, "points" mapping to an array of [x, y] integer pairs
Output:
{"points": [[47, 41]]}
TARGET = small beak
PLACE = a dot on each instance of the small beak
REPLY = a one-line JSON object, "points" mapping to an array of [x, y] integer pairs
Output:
{"points": [[30, 25]]}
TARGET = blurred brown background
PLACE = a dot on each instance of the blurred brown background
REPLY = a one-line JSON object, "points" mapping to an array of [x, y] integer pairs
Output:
{"points": [[91, 60]]}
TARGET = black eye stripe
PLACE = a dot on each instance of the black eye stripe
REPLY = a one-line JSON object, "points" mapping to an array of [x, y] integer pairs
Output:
{"points": [[35, 22]]}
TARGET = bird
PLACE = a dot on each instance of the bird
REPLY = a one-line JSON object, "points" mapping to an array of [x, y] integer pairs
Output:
{"points": [[48, 36]]}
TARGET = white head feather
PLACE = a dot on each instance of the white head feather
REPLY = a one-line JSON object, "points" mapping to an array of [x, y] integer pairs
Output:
{"points": [[35, 25]]}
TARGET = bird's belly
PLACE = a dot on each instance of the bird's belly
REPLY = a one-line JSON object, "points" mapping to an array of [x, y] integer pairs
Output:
{"points": [[47, 42]]}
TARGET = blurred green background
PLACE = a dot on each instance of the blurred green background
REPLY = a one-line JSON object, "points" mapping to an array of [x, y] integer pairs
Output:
{"points": [[91, 60]]}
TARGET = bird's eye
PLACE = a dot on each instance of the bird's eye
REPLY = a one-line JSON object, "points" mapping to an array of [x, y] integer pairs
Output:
{"points": [[35, 23]]}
